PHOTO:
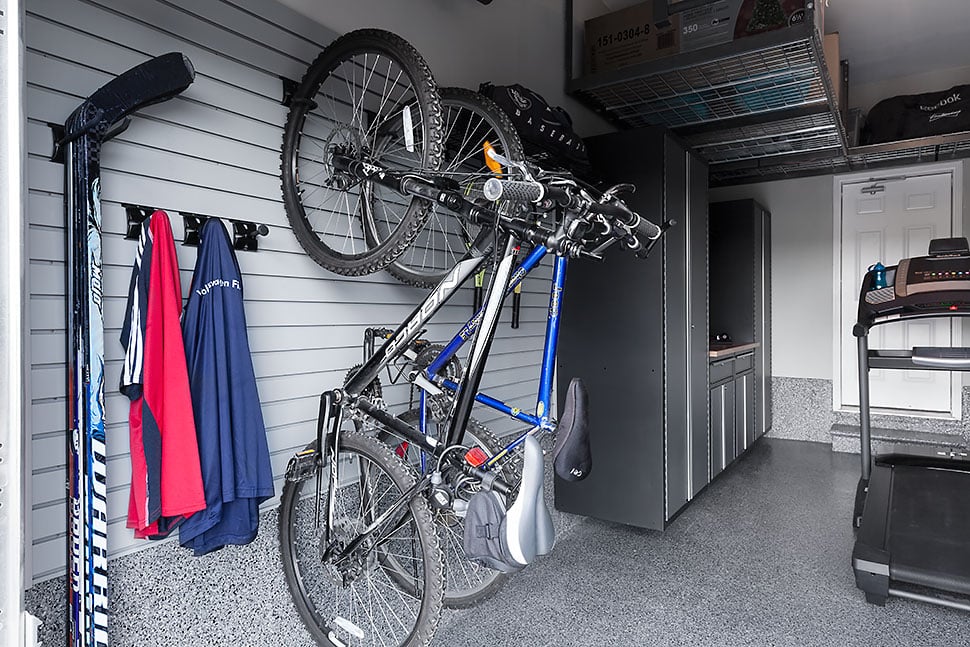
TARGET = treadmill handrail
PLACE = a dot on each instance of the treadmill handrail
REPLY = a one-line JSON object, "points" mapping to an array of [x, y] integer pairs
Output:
{"points": [[903, 359]]}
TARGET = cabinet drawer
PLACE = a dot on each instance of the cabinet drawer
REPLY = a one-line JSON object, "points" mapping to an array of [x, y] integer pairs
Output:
{"points": [[744, 362], [722, 370]]}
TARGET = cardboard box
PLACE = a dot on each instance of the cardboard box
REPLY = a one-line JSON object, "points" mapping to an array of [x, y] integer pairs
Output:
{"points": [[830, 51], [633, 35], [722, 21], [628, 37]]}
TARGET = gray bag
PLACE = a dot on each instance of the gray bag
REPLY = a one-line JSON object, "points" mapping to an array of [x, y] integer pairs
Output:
{"points": [[485, 533]]}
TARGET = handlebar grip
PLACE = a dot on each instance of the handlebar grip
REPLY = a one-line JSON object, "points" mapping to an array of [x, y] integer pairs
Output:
{"points": [[646, 230], [514, 190]]}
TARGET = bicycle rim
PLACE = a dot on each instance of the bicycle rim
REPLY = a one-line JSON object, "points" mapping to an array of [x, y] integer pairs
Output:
{"points": [[469, 121], [466, 583], [370, 97], [371, 609]]}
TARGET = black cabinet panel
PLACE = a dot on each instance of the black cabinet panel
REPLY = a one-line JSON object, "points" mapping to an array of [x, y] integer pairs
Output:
{"points": [[699, 332], [722, 439], [636, 332], [612, 337]]}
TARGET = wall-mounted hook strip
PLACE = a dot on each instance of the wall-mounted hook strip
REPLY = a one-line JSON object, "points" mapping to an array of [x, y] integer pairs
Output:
{"points": [[136, 214], [244, 233]]}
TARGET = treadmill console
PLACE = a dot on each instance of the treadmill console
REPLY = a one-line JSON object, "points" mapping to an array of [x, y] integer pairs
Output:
{"points": [[932, 274], [933, 285]]}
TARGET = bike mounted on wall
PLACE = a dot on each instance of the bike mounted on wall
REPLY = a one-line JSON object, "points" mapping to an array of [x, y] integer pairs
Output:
{"points": [[378, 168]]}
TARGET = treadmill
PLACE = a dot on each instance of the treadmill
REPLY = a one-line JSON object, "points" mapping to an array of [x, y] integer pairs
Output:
{"points": [[912, 510]]}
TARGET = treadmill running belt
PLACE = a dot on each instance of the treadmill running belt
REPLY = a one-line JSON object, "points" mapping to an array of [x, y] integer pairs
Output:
{"points": [[929, 534]]}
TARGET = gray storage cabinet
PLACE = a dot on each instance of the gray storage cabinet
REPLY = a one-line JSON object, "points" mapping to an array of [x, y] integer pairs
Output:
{"points": [[733, 401], [740, 293], [636, 332]]}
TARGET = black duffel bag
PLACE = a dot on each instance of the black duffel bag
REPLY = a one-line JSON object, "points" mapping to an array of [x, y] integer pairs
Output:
{"points": [[546, 131], [918, 115]]}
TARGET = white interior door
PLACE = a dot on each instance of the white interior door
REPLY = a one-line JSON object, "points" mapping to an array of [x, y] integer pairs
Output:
{"points": [[886, 221]]}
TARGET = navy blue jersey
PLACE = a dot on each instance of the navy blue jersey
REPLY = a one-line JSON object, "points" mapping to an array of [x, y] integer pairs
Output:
{"points": [[236, 471]]}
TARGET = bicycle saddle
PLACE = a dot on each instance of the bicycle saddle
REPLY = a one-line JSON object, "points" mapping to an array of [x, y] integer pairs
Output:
{"points": [[528, 525], [508, 540], [571, 454]]}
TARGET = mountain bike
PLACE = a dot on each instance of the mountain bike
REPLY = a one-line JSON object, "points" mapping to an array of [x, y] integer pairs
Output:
{"points": [[362, 551]]}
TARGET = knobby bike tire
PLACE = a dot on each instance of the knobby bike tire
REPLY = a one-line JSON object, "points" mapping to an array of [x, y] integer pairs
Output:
{"points": [[323, 602], [466, 583], [468, 119], [395, 123]]}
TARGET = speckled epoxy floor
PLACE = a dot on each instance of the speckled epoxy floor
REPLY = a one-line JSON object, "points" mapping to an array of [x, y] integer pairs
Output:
{"points": [[759, 558]]}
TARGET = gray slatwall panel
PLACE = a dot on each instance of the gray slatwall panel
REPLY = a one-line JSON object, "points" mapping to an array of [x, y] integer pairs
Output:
{"points": [[214, 149]]}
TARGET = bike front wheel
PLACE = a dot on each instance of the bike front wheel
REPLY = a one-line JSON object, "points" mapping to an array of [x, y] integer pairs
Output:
{"points": [[369, 98], [358, 601]]}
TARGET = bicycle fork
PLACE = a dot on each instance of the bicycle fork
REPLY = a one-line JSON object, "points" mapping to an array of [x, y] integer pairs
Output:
{"points": [[327, 449], [328, 433]]}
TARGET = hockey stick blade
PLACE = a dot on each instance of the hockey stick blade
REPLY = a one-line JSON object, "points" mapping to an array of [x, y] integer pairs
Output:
{"points": [[153, 81]]}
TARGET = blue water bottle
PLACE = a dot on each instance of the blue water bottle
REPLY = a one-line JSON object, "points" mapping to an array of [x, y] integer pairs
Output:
{"points": [[879, 280]]}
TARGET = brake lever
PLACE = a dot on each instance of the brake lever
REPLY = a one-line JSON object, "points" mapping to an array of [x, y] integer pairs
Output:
{"points": [[506, 162]]}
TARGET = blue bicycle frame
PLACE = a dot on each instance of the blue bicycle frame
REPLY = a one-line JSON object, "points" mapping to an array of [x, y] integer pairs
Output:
{"points": [[541, 420]]}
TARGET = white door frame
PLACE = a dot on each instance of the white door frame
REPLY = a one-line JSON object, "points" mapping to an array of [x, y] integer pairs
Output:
{"points": [[955, 169], [13, 325]]}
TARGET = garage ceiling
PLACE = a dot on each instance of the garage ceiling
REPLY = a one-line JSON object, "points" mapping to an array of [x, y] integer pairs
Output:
{"points": [[887, 39]]}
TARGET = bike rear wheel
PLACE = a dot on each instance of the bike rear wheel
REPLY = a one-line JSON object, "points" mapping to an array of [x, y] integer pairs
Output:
{"points": [[370, 97], [363, 604], [469, 121], [466, 583]]}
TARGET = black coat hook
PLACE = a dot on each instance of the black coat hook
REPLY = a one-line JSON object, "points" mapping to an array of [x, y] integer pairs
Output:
{"points": [[244, 234], [192, 223], [136, 215]]}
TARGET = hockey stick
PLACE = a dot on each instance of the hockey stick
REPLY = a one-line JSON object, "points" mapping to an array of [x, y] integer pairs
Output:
{"points": [[95, 121]]}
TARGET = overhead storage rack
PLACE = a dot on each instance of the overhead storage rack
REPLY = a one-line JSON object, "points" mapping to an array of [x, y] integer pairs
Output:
{"points": [[756, 108]]}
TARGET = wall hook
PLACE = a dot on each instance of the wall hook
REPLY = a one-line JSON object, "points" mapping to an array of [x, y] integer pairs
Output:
{"points": [[192, 223], [244, 234], [136, 215]]}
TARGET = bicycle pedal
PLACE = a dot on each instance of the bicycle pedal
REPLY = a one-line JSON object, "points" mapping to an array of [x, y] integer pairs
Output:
{"points": [[302, 466]]}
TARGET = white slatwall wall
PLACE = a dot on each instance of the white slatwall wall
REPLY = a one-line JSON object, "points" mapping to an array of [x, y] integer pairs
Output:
{"points": [[212, 150]]}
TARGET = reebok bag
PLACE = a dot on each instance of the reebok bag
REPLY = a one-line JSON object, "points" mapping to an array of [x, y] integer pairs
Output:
{"points": [[918, 115]]}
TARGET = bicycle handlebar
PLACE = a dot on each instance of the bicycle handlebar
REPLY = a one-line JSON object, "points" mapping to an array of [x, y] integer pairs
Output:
{"points": [[637, 232], [536, 192]]}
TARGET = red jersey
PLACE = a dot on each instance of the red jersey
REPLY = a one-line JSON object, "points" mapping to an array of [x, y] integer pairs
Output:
{"points": [[166, 480]]}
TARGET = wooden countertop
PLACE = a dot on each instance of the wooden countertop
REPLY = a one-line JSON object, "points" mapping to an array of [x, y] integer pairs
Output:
{"points": [[720, 351]]}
